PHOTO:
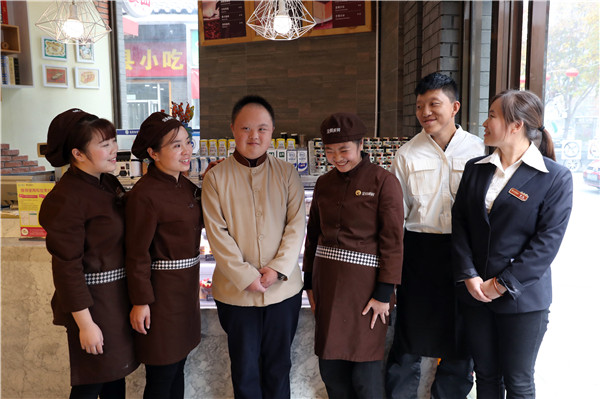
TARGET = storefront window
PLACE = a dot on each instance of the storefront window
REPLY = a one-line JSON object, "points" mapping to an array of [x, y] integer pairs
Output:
{"points": [[160, 59], [571, 117], [568, 83], [479, 65], [571, 95]]}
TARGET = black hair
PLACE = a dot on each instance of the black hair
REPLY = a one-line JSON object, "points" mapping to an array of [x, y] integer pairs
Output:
{"points": [[85, 132], [435, 81], [252, 99], [525, 106], [166, 141]]}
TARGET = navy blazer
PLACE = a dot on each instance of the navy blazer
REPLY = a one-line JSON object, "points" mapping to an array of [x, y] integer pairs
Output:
{"points": [[519, 238]]}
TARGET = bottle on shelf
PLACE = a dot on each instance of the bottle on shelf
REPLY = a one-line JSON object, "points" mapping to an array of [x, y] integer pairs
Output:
{"points": [[271, 149], [291, 154], [280, 149], [230, 147]]}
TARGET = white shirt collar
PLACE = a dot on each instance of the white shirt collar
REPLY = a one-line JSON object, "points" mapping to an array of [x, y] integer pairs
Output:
{"points": [[456, 138], [532, 157]]}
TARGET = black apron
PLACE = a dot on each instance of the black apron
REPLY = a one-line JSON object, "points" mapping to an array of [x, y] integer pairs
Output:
{"points": [[427, 321]]}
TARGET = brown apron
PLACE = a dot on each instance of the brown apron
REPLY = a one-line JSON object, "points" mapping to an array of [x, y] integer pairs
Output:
{"points": [[341, 291]]}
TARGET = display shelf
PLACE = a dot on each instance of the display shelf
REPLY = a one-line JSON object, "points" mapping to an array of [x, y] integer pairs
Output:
{"points": [[207, 268], [11, 43], [16, 34], [21, 86]]}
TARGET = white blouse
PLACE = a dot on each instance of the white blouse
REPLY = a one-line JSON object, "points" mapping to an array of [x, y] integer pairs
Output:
{"points": [[531, 157]]}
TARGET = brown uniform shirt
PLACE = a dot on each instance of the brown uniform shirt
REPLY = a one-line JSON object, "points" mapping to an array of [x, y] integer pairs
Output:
{"points": [[83, 217], [359, 211], [164, 222]]}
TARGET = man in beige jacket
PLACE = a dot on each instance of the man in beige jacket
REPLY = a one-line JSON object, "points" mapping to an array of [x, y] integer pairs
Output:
{"points": [[254, 216]]}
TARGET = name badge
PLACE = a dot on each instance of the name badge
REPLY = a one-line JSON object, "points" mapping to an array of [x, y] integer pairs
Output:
{"points": [[518, 194]]}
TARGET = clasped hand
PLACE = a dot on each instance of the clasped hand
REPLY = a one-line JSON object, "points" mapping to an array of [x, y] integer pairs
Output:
{"points": [[483, 291], [267, 278]]}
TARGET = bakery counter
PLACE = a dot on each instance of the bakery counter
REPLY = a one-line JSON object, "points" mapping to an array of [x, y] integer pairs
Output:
{"points": [[34, 351]]}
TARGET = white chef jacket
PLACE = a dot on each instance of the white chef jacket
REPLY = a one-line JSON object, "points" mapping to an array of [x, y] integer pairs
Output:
{"points": [[430, 177]]}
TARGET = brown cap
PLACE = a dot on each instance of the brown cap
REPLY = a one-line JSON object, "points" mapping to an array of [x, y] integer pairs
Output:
{"points": [[342, 127], [153, 129], [62, 126]]}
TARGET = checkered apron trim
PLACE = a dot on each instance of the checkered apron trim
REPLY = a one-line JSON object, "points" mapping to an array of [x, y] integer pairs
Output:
{"points": [[344, 255], [104, 277], [174, 264]]}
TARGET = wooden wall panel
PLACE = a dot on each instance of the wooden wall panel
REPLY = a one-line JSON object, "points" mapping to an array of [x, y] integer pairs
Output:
{"points": [[305, 80]]}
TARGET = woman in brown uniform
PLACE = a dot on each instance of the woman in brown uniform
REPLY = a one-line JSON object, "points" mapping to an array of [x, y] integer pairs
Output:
{"points": [[352, 260], [164, 221], [84, 221]]}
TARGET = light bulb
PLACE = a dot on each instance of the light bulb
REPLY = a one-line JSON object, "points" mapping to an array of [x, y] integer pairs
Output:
{"points": [[282, 24], [73, 27]]}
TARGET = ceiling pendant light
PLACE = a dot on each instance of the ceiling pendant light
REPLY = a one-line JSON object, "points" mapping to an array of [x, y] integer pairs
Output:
{"points": [[73, 21], [282, 23], [281, 19], [73, 27]]}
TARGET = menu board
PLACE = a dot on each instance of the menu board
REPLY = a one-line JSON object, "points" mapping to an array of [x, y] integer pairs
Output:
{"points": [[339, 17], [30, 197], [223, 21], [338, 14]]}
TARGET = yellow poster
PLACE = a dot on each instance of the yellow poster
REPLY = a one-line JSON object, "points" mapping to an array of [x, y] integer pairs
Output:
{"points": [[30, 197]]}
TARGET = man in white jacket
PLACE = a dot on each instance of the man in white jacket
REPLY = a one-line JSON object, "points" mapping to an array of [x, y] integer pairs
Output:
{"points": [[429, 168]]}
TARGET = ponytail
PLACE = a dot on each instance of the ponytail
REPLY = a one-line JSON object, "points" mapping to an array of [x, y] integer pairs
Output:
{"points": [[546, 146]]}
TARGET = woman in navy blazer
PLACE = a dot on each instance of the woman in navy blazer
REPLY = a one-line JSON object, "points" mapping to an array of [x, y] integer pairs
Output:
{"points": [[508, 220]]}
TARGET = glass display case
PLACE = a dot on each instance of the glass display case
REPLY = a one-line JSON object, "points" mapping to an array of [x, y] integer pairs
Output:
{"points": [[207, 260]]}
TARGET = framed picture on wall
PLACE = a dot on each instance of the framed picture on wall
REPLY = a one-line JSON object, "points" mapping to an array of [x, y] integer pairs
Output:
{"points": [[55, 76], [85, 52], [87, 78], [53, 49]]}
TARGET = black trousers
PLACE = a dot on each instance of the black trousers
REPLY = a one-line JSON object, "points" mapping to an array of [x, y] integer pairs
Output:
{"points": [[165, 382], [106, 390], [260, 340], [453, 377], [352, 380], [504, 348]]}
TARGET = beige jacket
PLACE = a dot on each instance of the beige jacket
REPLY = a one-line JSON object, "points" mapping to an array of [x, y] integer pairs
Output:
{"points": [[254, 217]]}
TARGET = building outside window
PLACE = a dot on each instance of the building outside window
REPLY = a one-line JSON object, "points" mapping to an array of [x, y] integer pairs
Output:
{"points": [[571, 110], [160, 58], [571, 95]]}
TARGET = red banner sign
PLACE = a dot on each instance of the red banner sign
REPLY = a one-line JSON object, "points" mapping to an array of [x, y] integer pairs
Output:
{"points": [[155, 59]]}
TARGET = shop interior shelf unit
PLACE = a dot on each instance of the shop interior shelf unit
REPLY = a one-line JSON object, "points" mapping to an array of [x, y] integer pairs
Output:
{"points": [[10, 36], [16, 35]]}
